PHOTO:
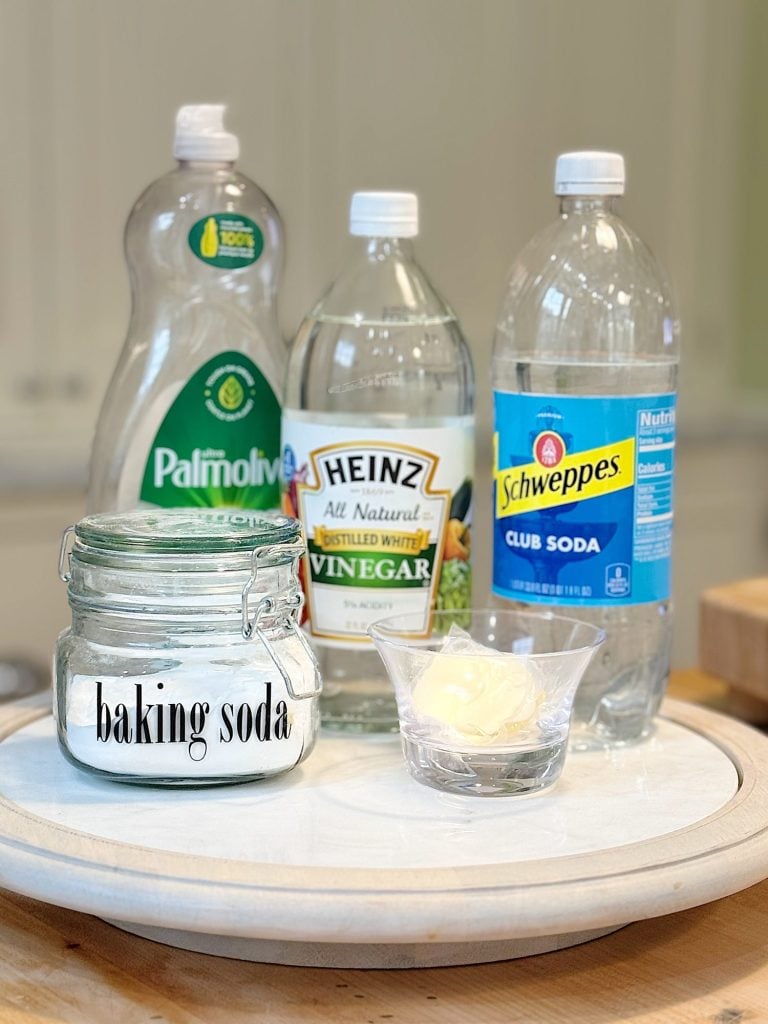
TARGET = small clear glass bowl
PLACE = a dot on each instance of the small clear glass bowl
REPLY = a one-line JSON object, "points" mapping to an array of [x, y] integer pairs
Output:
{"points": [[485, 698]]}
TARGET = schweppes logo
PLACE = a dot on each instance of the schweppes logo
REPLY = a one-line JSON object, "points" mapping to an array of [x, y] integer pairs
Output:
{"points": [[557, 478]]}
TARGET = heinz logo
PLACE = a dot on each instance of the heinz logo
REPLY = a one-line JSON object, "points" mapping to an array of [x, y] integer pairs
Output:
{"points": [[374, 467]]}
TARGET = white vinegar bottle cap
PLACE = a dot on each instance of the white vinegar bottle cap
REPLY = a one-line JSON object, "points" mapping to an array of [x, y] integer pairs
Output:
{"points": [[384, 214], [200, 134], [590, 173]]}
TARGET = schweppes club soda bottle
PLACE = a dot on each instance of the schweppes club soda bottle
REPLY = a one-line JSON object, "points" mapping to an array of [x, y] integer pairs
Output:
{"points": [[191, 415], [585, 370], [378, 458]]}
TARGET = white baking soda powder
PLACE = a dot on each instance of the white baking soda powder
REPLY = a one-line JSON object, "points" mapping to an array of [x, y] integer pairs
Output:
{"points": [[201, 717]]}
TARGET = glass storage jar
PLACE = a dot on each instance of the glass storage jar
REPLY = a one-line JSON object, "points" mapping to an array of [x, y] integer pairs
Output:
{"points": [[184, 664]]}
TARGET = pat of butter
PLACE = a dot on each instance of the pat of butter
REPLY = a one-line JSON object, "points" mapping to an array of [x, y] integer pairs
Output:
{"points": [[485, 699]]}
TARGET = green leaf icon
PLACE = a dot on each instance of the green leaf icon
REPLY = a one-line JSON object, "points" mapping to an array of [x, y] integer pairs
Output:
{"points": [[231, 394]]}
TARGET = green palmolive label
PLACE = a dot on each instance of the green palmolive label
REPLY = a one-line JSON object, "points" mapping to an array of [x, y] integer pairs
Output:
{"points": [[219, 443], [226, 240], [386, 513]]}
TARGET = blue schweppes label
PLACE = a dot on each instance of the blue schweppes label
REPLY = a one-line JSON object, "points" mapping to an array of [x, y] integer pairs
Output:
{"points": [[583, 498]]}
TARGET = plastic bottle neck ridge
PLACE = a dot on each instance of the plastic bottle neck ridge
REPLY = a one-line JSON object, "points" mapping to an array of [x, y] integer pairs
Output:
{"points": [[378, 249], [580, 205], [206, 165]]}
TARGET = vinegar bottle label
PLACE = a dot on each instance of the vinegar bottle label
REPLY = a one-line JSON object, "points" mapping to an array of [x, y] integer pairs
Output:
{"points": [[386, 515]]}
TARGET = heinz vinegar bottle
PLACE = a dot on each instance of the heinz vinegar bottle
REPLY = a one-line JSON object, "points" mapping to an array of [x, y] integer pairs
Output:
{"points": [[378, 457]]}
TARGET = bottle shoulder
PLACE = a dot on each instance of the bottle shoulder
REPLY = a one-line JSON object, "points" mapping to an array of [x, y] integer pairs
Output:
{"points": [[423, 367], [195, 187], [600, 252], [587, 284], [383, 290], [381, 338], [214, 230], [396, 341]]}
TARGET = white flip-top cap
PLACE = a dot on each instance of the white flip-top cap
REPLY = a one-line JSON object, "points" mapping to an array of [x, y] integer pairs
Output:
{"points": [[589, 173], [384, 214], [200, 134]]}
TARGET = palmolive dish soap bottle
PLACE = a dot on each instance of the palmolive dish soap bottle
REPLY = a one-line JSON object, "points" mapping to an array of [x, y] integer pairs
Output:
{"points": [[378, 457], [191, 415], [584, 375]]}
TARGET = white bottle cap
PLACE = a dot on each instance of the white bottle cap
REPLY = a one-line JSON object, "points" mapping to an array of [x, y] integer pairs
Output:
{"points": [[589, 173], [384, 214], [200, 134]]}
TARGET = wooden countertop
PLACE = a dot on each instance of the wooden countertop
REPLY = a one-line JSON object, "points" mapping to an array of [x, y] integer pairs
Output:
{"points": [[709, 964]]}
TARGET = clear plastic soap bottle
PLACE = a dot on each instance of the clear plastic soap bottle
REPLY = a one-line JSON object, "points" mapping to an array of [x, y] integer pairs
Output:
{"points": [[584, 375], [191, 415], [378, 457]]}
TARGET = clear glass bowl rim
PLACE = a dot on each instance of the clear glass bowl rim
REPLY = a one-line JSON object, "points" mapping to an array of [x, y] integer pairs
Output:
{"points": [[383, 631]]}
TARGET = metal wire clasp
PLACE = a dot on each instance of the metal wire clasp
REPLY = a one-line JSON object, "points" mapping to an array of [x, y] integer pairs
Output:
{"points": [[269, 605], [65, 555]]}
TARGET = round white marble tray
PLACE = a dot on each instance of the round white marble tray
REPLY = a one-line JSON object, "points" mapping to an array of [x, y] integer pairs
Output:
{"points": [[349, 862]]}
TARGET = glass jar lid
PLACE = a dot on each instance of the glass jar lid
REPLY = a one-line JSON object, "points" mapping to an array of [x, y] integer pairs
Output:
{"points": [[185, 531]]}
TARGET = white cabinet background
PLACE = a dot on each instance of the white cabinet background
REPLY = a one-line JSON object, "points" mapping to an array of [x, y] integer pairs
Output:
{"points": [[465, 101]]}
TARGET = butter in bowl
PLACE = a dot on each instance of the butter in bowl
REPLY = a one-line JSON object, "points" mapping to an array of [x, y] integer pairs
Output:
{"points": [[484, 698]]}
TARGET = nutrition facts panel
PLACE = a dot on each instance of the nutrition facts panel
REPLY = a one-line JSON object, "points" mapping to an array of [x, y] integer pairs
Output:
{"points": [[655, 433]]}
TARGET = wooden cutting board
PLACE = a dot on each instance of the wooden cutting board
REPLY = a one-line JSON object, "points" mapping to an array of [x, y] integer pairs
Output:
{"points": [[733, 644]]}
